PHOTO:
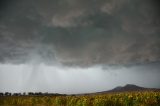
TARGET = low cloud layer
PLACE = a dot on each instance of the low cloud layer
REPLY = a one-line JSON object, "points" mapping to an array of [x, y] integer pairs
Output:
{"points": [[80, 32]]}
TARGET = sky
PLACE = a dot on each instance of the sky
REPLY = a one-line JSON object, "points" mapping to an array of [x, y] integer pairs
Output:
{"points": [[78, 46]]}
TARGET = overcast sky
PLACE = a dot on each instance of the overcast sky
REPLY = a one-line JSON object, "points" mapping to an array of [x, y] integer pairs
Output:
{"points": [[77, 46]]}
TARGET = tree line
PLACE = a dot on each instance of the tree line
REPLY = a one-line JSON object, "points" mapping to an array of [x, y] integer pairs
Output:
{"points": [[31, 94]]}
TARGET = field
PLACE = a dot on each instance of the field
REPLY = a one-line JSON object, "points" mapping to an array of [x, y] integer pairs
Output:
{"points": [[147, 98]]}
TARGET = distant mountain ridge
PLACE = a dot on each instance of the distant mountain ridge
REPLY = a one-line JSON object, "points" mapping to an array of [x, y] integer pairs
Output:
{"points": [[126, 88], [130, 87]]}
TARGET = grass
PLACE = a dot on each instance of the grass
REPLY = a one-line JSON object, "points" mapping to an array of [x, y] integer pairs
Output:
{"points": [[147, 98]]}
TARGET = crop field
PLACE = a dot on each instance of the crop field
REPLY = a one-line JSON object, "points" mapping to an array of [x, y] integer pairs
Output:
{"points": [[147, 98]]}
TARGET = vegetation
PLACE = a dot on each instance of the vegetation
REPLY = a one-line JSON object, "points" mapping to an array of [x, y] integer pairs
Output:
{"points": [[149, 98]]}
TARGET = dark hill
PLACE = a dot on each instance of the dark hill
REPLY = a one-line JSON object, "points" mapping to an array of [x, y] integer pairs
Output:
{"points": [[130, 87]]}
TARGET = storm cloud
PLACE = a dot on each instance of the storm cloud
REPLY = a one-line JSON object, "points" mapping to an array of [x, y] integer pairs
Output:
{"points": [[80, 32], [78, 46]]}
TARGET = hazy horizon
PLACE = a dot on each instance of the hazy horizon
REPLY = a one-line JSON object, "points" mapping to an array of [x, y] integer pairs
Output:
{"points": [[73, 80]]}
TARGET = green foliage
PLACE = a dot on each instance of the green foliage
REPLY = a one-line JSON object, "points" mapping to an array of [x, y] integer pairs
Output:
{"points": [[112, 99], [72, 100], [60, 101]]}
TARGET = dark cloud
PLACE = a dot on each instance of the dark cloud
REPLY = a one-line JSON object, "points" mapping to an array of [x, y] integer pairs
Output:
{"points": [[80, 32]]}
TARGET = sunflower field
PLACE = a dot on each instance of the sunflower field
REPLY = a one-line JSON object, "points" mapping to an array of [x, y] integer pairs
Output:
{"points": [[147, 98]]}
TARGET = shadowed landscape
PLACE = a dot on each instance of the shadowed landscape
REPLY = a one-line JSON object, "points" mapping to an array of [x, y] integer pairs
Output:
{"points": [[129, 95]]}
